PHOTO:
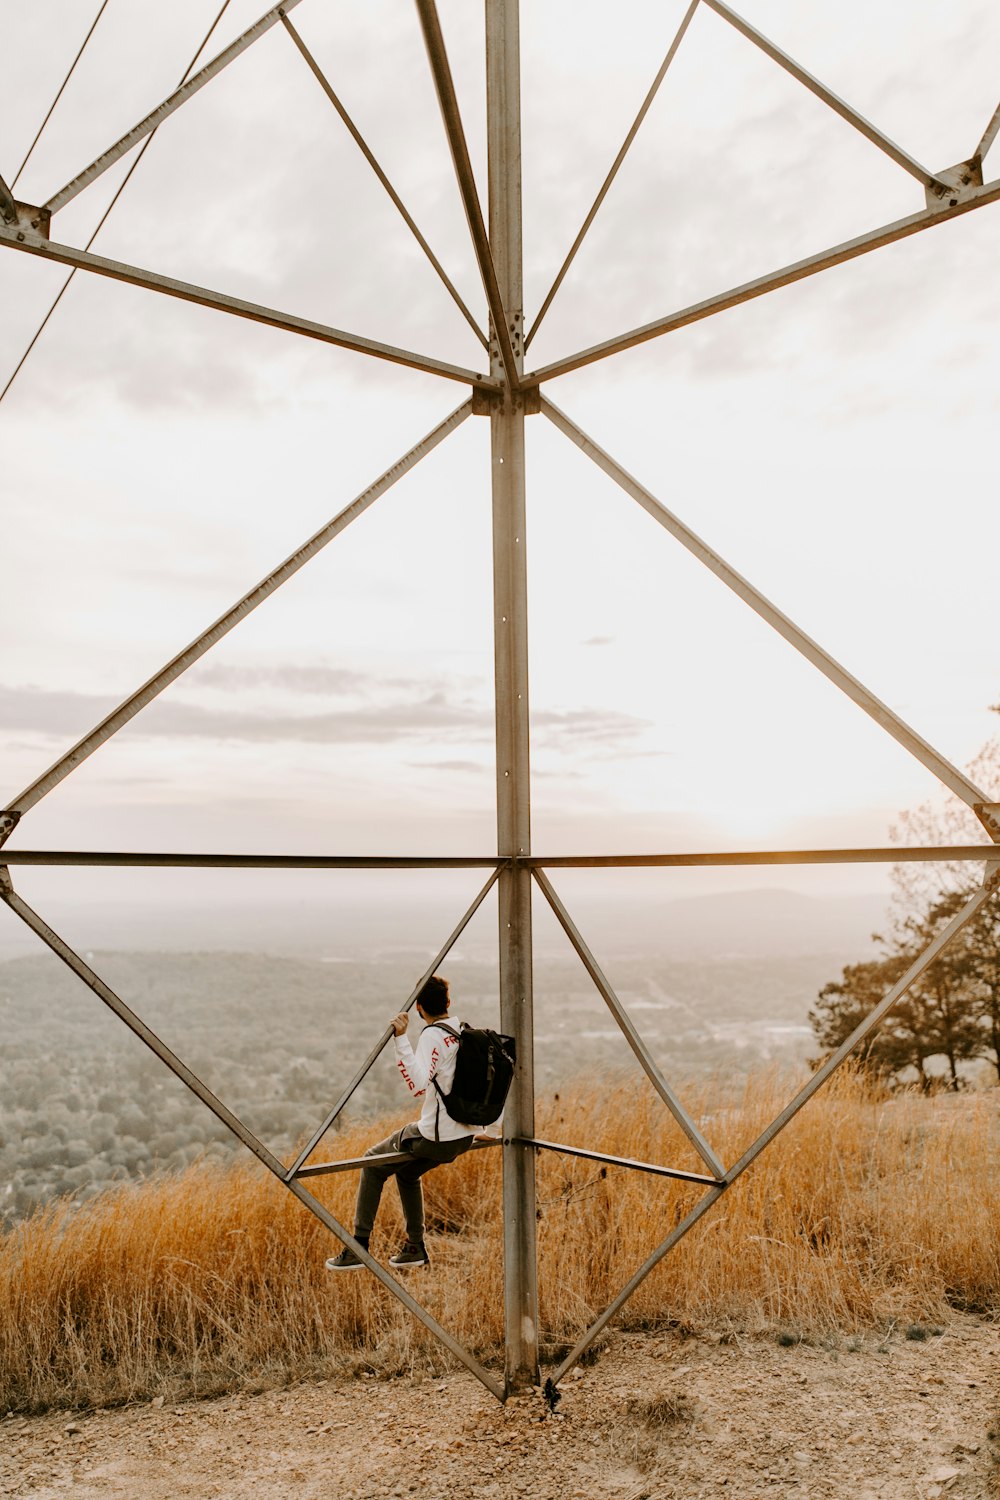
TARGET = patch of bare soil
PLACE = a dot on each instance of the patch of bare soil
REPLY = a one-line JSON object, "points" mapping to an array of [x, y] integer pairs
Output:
{"points": [[656, 1417]]}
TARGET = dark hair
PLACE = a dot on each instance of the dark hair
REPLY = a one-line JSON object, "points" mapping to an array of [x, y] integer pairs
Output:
{"points": [[434, 996]]}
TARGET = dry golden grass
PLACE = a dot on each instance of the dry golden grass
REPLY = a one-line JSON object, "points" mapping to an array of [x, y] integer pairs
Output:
{"points": [[864, 1212]]}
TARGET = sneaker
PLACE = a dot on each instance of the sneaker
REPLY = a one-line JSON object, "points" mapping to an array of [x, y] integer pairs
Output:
{"points": [[410, 1255], [345, 1261]]}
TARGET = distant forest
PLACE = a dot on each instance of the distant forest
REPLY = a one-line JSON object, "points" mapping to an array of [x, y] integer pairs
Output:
{"points": [[85, 1104]]}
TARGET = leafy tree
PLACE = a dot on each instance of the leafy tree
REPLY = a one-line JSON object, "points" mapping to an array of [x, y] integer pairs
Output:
{"points": [[945, 995], [844, 1004], [953, 1009], [973, 960], [985, 963]]}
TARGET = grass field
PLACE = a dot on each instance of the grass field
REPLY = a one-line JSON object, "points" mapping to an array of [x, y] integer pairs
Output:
{"points": [[866, 1212]]}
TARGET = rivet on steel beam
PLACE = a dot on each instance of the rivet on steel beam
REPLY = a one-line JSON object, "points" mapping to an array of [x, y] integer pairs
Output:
{"points": [[955, 184], [484, 403], [8, 822], [988, 814], [8, 208], [28, 217]]}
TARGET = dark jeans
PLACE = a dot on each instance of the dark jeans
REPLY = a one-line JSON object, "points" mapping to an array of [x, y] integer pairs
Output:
{"points": [[424, 1155]]}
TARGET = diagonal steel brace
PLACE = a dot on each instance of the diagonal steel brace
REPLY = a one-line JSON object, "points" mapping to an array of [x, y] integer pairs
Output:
{"points": [[815, 1083], [73, 961]]}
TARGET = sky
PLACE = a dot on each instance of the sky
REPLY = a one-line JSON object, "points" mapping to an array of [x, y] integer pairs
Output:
{"points": [[832, 440]]}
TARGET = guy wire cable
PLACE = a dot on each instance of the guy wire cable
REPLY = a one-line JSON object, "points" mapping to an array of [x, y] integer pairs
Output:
{"points": [[62, 86], [121, 188]]}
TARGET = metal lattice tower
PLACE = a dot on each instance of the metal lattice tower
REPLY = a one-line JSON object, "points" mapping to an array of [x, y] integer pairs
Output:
{"points": [[505, 394]]}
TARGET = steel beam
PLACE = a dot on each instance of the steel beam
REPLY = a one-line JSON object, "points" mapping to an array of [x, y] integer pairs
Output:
{"points": [[863, 1029], [622, 1161], [606, 185], [185, 291], [510, 631], [172, 102], [296, 1169], [63, 951], [839, 106], [400, 1293], [816, 1082], [950, 775], [885, 854], [634, 1282], [506, 334], [173, 861], [886, 234], [186, 658], [628, 1030], [989, 136], [372, 161], [8, 207], [138, 1027], [356, 1163]]}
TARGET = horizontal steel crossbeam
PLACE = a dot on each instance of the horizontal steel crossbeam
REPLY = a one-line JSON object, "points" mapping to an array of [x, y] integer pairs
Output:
{"points": [[619, 1161], [884, 854], [383, 1159], [172, 861]]}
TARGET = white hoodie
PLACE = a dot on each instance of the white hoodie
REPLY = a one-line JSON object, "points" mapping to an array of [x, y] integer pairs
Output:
{"points": [[434, 1058]]}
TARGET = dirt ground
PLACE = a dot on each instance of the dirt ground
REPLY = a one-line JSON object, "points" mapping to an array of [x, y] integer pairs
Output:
{"points": [[656, 1417]]}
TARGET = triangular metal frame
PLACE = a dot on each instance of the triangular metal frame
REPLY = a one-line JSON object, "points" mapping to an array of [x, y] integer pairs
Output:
{"points": [[506, 394]]}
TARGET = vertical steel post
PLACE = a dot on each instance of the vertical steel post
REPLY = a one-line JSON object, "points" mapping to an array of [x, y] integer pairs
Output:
{"points": [[510, 603]]}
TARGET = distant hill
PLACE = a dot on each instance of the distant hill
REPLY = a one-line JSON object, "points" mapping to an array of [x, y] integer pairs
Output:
{"points": [[741, 924], [753, 924]]}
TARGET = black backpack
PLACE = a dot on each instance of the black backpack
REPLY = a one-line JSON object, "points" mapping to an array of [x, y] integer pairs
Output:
{"points": [[484, 1068]]}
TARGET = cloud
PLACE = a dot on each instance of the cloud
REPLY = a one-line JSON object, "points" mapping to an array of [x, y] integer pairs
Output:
{"points": [[598, 725], [429, 714], [318, 679], [472, 767], [599, 640]]}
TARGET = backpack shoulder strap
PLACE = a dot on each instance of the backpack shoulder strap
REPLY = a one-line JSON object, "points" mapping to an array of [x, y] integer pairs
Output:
{"points": [[443, 1026]]}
